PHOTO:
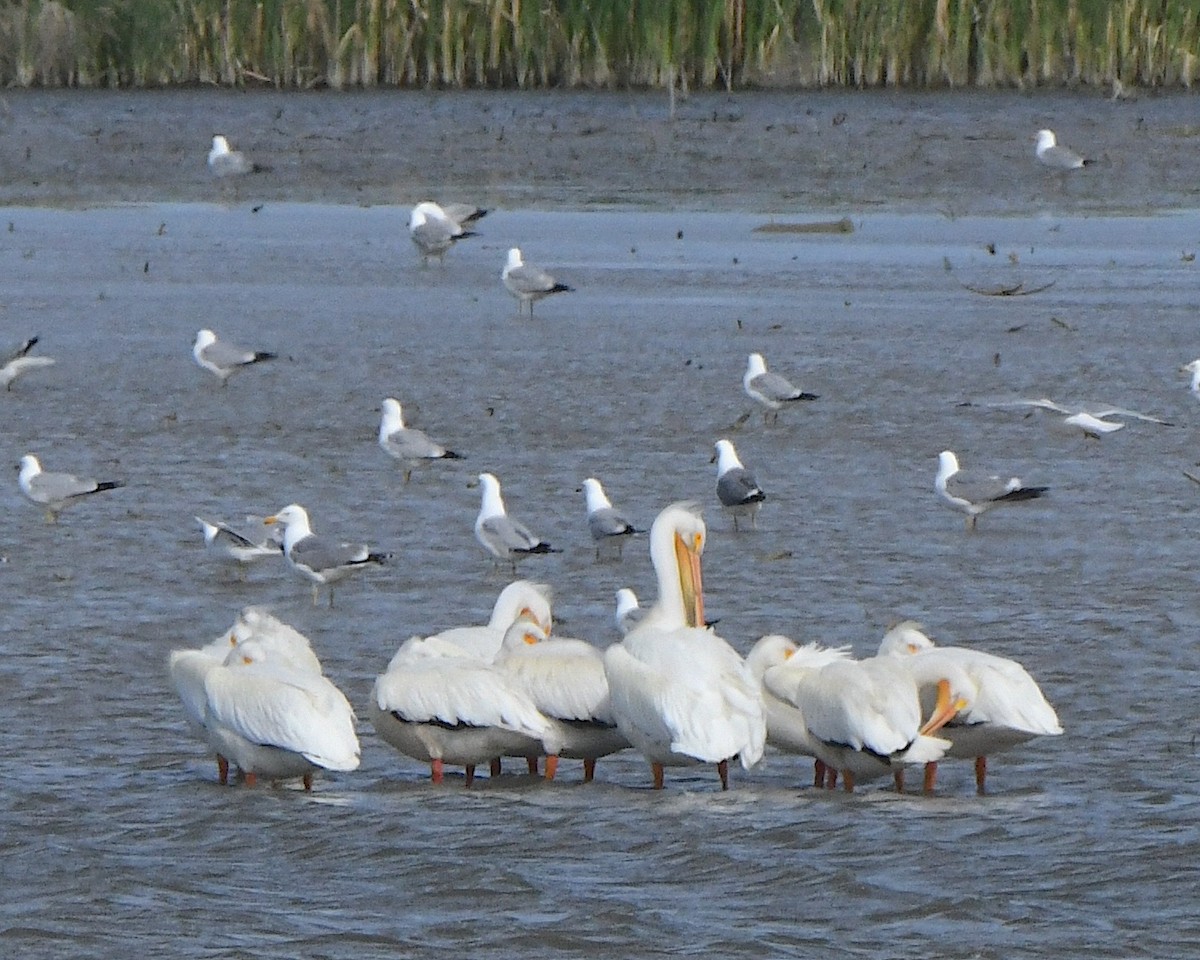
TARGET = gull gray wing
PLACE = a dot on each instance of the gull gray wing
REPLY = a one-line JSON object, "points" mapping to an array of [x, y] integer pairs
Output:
{"points": [[320, 554], [738, 486], [57, 487], [507, 535], [413, 444], [775, 388], [526, 279], [608, 522]]}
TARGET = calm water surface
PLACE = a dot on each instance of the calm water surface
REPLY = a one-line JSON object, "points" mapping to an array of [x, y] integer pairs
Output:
{"points": [[116, 839]]}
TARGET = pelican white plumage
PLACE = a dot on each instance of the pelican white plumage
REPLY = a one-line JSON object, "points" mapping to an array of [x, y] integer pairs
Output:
{"points": [[18, 363], [521, 598], [565, 679], [434, 231], [409, 445], [528, 283], [320, 559], [57, 491], [439, 704], [1004, 705], [779, 664], [605, 523], [504, 537], [770, 389], [275, 721], [976, 493], [680, 694], [737, 489]]}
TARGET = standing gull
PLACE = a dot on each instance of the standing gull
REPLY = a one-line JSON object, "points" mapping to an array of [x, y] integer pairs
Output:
{"points": [[1194, 369], [605, 522], [737, 489], [528, 283], [1056, 157], [463, 213], [56, 491], [224, 359], [320, 559], [974, 493], [407, 444], [226, 162], [433, 231], [502, 536], [770, 389], [18, 363]]}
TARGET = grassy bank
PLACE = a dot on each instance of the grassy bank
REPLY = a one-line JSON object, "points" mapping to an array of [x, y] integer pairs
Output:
{"points": [[599, 43]]}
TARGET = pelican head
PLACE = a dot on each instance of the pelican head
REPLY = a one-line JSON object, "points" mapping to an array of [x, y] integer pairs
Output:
{"points": [[676, 543]]}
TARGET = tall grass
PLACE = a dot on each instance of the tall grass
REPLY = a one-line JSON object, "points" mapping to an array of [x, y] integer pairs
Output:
{"points": [[598, 43]]}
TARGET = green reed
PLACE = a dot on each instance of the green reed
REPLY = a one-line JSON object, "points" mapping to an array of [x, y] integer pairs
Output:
{"points": [[599, 43]]}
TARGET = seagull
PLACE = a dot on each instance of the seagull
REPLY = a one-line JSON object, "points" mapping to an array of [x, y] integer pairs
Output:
{"points": [[629, 612], [973, 493], [224, 359], [463, 213], [18, 363], [227, 543], [226, 162], [770, 389], [502, 536], [1056, 157], [606, 523], [1194, 369], [320, 559], [433, 231], [528, 284], [407, 444], [1093, 427], [56, 491], [1084, 415], [737, 489]]}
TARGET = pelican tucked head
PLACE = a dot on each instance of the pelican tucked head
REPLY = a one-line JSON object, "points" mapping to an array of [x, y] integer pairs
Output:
{"points": [[524, 632], [904, 638], [676, 543], [523, 600]]}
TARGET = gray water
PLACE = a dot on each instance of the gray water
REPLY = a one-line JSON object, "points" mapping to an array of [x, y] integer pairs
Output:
{"points": [[118, 842]]}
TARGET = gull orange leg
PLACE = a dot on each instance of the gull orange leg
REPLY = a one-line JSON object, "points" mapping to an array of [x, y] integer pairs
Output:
{"points": [[981, 775], [657, 770], [222, 770], [437, 771], [551, 766], [930, 775], [723, 773], [589, 769]]}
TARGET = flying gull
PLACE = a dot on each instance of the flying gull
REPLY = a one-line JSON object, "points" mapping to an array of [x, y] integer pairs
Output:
{"points": [[57, 491], [18, 363], [973, 493], [737, 489], [322, 560], [770, 389], [1068, 410], [407, 444], [528, 283], [502, 536], [224, 359], [1056, 157], [605, 522]]}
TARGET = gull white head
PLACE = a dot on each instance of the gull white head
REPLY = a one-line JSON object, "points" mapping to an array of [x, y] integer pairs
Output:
{"points": [[425, 211], [30, 468], [491, 503], [1045, 140], [596, 498], [727, 458], [756, 366], [514, 261], [204, 338], [393, 418], [947, 466], [220, 147], [294, 519]]}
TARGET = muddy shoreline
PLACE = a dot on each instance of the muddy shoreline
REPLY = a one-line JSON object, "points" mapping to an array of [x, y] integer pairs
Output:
{"points": [[771, 152]]}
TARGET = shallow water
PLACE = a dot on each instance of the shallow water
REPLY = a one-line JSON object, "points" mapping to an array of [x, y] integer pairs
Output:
{"points": [[117, 839]]}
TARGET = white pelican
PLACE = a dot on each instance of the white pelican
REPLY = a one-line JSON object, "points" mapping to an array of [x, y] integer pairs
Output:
{"points": [[521, 598], [1004, 708], [18, 363], [223, 359], [275, 721], [975, 493], [605, 523], [1054, 156], [498, 533], [241, 548], [188, 670], [865, 718], [433, 231], [57, 491], [779, 663], [407, 444], [321, 560], [282, 642], [528, 283], [770, 389], [737, 489], [681, 694], [437, 703], [565, 679]]}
